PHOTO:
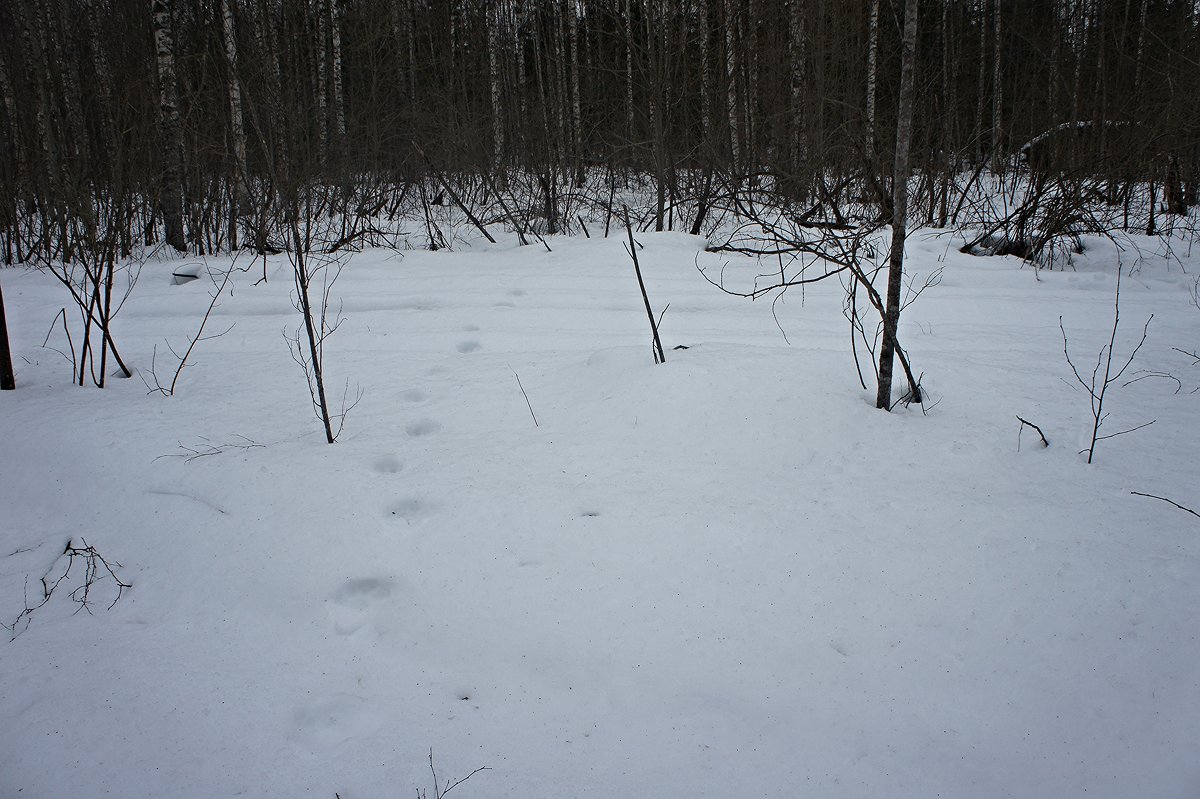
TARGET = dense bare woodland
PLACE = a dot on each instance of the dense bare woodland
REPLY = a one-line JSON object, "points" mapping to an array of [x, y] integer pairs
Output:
{"points": [[183, 117]]}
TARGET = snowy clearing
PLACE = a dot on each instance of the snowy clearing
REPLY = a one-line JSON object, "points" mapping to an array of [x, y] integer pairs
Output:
{"points": [[728, 575]]}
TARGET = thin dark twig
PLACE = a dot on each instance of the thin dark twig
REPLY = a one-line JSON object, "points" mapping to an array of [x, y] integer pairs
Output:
{"points": [[74, 364], [631, 248], [438, 791], [526, 396], [1130, 430], [1144, 374], [1195, 355], [1168, 501], [1045, 442], [93, 562]]}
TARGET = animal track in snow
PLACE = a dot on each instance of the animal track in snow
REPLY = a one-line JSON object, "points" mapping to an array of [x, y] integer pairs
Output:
{"points": [[423, 427], [334, 720], [468, 346], [417, 304], [470, 328], [350, 606], [414, 395], [388, 464], [516, 293], [840, 646], [410, 509]]}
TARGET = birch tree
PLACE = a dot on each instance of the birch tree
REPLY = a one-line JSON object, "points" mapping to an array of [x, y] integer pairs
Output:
{"points": [[701, 13], [237, 124], [997, 91], [872, 77], [797, 58], [170, 126], [494, 15], [335, 43], [576, 110]]}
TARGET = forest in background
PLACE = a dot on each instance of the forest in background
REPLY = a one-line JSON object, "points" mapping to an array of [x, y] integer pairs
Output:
{"points": [[184, 119]]}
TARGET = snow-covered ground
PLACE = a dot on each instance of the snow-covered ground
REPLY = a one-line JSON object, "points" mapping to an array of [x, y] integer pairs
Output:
{"points": [[728, 575]]}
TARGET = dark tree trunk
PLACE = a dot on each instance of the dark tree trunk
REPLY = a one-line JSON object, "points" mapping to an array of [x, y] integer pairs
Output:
{"points": [[7, 381], [891, 319]]}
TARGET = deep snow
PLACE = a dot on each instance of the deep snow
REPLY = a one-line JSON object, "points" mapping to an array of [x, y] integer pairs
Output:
{"points": [[723, 576]]}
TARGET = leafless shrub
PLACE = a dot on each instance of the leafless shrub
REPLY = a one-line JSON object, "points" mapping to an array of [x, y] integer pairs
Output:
{"points": [[96, 569], [206, 448], [827, 238], [219, 287], [99, 272], [1103, 375], [440, 789], [317, 260]]}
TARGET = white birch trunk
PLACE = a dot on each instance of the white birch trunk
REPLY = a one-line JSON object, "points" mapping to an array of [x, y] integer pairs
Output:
{"points": [[997, 90], [560, 86], [576, 105], [493, 19], [410, 34], [44, 178], [519, 45], [339, 97], [395, 15], [169, 124], [949, 158], [629, 69], [322, 82], [701, 12], [981, 15], [797, 57], [237, 122], [9, 98], [872, 75], [750, 46]]}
